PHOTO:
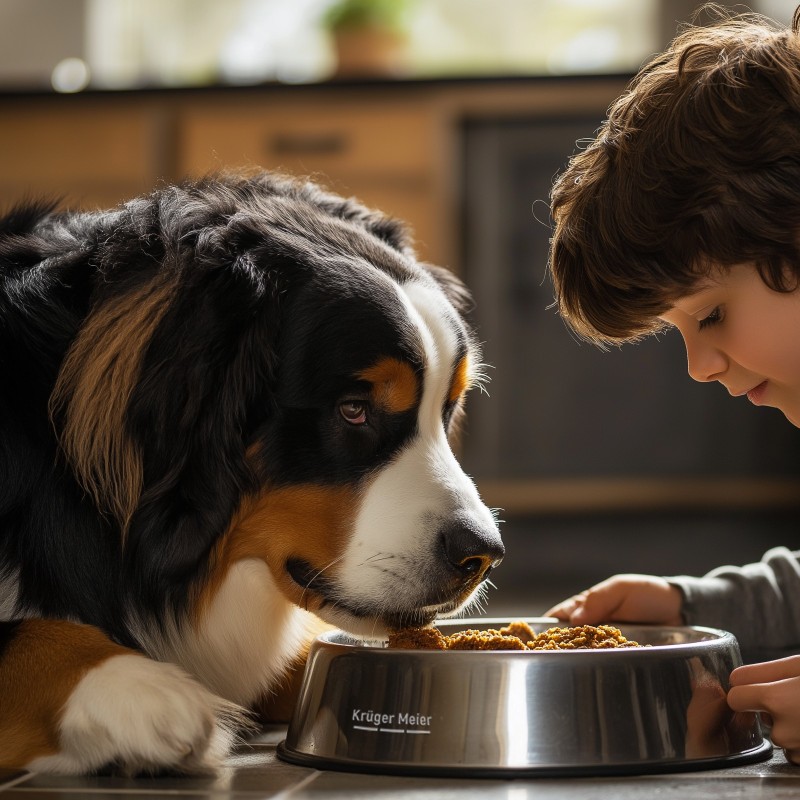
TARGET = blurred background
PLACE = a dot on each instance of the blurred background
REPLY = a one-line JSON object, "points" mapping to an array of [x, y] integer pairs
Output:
{"points": [[454, 115]]}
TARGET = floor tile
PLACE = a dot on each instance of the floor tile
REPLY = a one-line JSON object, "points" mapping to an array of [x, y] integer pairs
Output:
{"points": [[63, 794], [268, 736], [8, 776], [255, 772], [339, 786]]}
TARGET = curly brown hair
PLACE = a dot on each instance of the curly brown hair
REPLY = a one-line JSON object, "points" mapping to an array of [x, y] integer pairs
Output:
{"points": [[697, 168]]}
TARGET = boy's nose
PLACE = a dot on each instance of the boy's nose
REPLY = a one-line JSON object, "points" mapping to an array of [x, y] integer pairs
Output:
{"points": [[705, 363]]}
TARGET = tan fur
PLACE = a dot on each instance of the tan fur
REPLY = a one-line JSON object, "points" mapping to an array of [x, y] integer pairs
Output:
{"points": [[93, 391], [41, 666], [461, 380], [308, 522], [394, 385]]}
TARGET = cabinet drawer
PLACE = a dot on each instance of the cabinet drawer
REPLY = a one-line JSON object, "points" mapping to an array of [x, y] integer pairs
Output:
{"points": [[56, 149], [327, 140]]}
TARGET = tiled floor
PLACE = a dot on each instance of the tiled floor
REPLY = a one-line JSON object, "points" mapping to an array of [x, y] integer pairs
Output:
{"points": [[254, 772]]}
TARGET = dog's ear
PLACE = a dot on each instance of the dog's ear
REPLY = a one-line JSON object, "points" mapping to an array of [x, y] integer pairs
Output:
{"points": [[168, 377], [204, 385], [454, 288], [388, 229]]}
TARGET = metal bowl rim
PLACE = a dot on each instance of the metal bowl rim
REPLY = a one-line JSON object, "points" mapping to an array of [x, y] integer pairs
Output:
{"points": [[716, 638]]}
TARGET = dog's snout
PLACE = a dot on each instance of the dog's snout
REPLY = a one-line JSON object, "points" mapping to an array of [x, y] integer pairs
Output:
{"points": [[472, 550]]}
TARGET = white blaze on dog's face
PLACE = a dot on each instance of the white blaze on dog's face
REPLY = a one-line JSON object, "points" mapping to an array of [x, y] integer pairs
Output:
{"points": [[421, 517], [366, 517]]}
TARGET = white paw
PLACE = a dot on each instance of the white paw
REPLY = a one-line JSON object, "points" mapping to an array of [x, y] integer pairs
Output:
{"points": [[142, 716]]}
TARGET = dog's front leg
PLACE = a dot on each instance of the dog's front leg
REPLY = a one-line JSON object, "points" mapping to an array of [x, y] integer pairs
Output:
{"points": [[72, 701]]}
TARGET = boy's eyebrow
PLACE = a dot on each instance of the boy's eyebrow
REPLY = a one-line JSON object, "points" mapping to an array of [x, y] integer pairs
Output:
{"points": [[701, 309], [686, 305], [699, 298]]}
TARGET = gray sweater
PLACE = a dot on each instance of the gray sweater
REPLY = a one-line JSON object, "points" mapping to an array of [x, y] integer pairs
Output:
{"points": [[758, 603]]}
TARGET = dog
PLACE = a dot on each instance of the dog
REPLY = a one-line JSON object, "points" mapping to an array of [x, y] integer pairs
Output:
{"points": [[225, 412]]}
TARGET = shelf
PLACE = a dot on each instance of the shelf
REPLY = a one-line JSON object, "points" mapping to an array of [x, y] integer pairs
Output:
{"points": [[614, 495]]}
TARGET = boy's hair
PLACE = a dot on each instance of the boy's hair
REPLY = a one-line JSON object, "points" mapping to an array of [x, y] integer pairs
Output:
{"points": [[696, 167]]}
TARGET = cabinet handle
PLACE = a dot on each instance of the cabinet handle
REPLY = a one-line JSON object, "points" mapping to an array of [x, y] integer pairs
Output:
{"points": [[306, 144]]}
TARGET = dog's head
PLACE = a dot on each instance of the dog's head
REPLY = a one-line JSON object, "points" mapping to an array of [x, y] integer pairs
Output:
{"points": [[267, 372]]}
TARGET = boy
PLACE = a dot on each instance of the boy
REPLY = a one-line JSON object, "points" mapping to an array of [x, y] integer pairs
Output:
{"points": [[685, 212]]}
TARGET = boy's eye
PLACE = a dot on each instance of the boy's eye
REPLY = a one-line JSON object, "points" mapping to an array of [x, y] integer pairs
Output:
{"points": [[714, 317]]}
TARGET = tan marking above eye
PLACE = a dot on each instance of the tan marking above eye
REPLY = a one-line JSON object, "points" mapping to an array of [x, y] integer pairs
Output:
{"points": [[461, 380], [395, 386]]}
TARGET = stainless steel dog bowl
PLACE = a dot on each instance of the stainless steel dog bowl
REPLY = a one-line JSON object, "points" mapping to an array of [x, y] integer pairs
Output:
{"points": [[661, 708]]}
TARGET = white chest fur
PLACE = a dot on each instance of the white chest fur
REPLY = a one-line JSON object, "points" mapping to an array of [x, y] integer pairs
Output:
{"points": [[246, 639]]}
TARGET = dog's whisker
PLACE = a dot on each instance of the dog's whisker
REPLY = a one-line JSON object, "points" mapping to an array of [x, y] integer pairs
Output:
{"points": [[380, 555], [376, 557], [480, 377], [316, 575]]}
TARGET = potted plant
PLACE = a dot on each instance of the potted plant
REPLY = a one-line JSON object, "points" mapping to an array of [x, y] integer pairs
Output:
{"points": [[369, 36]]}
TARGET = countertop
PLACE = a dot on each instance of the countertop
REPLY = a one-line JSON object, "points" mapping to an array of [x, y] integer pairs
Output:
{"points": [[335, 84], [254, 771]]}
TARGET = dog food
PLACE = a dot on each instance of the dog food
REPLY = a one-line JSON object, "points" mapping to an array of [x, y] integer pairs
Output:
{"points": [[418, 639], [583, 637], [515, 636]]}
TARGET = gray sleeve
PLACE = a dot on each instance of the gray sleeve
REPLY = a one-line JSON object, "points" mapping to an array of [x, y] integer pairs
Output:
{"points": [[759, 603]]}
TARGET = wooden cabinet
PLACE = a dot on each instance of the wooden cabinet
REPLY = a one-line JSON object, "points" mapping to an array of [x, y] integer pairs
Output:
{"points": [[90, 151]]}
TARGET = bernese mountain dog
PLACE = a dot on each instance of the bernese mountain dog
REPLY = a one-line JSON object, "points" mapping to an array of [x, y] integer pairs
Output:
{"points": [[225, 411]]}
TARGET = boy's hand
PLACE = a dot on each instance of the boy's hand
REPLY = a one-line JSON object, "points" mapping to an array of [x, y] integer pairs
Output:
{"points": [[772, 688], [624, 598]]}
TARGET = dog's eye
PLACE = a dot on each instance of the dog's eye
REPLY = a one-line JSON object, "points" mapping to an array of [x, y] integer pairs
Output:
{"points": [[353, 412]]}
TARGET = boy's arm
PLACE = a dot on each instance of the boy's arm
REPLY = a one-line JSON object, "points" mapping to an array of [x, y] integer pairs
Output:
{"points": [[759, 603]]}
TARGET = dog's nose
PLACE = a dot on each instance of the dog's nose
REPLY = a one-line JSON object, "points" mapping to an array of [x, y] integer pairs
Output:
{"points": [[471, 549]]}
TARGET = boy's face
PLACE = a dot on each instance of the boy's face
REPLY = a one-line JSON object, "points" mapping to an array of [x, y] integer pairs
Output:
{"points": [[743, 334]]}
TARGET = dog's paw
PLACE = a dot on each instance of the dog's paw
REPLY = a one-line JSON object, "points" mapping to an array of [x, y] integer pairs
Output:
{"points": [[142, 716]]}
